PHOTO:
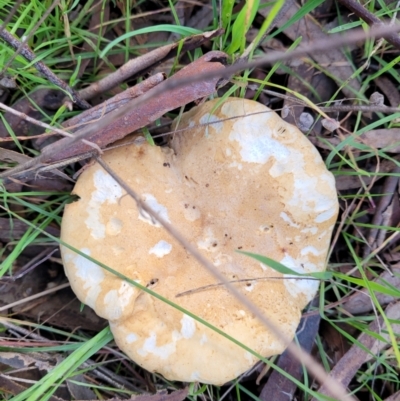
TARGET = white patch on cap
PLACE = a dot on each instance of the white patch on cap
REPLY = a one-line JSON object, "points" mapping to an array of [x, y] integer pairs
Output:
{"points": [[286, 218], [211, 118], [161, 249], [326, 215], [156, 207], [236, 164], [277, 346], [309, 249], [131, 338], [114, 226], [203, 339], [308, 199], [304, 193], [295, 285], [107, 190], [163, 351], [117, 250], [328, 177], [67, 255], [249, 357], [188, 326], [117, 300], [195, 377], [312, 230], [209, 243], [92, 276], [256, 143], [113, 310]]}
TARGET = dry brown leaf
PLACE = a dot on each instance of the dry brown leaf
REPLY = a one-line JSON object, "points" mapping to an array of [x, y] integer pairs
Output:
{"points": [[348, 366], [153, 109], [47, 99], [278, 387], [394, 397], [361, 301], [387, 139], [389, 89]]}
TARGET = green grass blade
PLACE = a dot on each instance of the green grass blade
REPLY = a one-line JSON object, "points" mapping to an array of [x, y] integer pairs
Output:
{"points": [[43, 389], [180, 30]]}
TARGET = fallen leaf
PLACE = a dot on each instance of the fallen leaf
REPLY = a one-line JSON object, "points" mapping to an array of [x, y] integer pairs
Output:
{"points": [[365, 349], [361, 301], [278, 387], [387, 139]]}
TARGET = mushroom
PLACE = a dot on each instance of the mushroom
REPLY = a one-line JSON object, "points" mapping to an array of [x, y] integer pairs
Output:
{"points": [[239, 177]]}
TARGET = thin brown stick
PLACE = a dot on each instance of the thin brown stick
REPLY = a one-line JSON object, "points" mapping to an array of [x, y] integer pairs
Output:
{"points": [[336, 107], [336, 389], [42, 68], [30, 34], [363, 109], [242, 280], [23, 116], [8, 19], [35, 296], [142, 63], [371, 19], [32, 264]]}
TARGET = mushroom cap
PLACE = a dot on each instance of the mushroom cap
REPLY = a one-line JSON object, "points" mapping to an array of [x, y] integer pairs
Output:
{"points": [[253, 183]]}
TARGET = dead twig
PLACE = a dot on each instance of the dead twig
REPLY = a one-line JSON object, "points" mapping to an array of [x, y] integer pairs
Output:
{"points": [[23, 116], [42, 68], [147, 112], [9, 17], [30, 34], [32, 264], [363, 109], [35, 296], [142, 63], [331, 109], [372, 20]]}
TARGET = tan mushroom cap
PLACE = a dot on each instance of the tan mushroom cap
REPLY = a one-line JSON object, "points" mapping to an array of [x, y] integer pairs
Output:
{"points": [[253, 183]]}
